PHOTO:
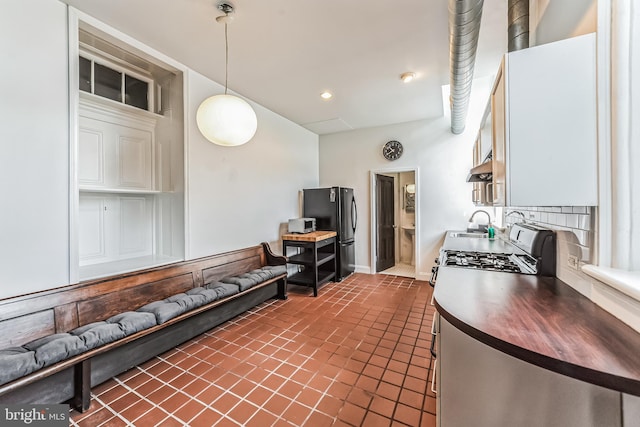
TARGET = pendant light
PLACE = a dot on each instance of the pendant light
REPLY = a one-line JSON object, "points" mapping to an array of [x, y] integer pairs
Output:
{"points": [[226, 119]]}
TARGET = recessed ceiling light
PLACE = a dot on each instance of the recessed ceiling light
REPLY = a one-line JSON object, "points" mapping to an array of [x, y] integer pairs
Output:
{"points": [[407, 77], [326, 95]]}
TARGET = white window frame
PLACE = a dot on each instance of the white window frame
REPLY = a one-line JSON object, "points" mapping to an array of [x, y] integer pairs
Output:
{"points": [[618, 237], [151, 86]]}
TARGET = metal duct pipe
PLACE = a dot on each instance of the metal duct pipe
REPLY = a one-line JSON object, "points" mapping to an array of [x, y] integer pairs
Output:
{"points": [[518, 30], [464, 27]]}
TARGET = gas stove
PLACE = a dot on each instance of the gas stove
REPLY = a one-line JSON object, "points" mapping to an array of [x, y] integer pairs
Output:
{"points": [[534, 252], [509, 263]]}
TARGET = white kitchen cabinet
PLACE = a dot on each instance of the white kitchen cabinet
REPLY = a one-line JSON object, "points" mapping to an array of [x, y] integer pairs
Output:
{"points": [[116, 177], [115, 227], [130, 162], [115, 148], [544, 126], [482, 190]]}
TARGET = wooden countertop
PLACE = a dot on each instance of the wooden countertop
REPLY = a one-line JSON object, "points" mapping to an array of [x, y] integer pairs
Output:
{"points": [[543, 321], [314, 236]]}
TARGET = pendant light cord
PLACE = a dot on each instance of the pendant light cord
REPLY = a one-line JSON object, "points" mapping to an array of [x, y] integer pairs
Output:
{"points": [[226, 58]]}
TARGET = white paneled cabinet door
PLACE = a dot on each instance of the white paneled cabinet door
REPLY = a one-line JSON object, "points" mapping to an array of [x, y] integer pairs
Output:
{"points": [[115, 156], [133, 153], [91, 156], [136, 227], [92, 229], [115, 227], [552, 124], [544, 126]]}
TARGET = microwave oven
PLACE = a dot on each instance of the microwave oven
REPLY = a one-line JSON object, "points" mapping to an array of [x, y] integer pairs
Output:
{"points": [[302, 225]]}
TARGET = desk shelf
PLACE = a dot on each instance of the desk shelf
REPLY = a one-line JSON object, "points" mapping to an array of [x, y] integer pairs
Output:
{"points": [[316, 258], [307, 277], [307, 258]]}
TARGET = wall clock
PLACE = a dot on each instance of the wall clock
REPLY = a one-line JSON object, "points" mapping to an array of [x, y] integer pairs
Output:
{"points": [[392, 150]]}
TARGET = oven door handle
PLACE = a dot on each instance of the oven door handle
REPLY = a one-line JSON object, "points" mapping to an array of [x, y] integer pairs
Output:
{"points": [[434, 334], [434, 275], [433, 377]]}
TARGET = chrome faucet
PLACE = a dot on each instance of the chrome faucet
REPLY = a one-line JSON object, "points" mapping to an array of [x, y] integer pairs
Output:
{"points": [[484, 212], [524, 218]]}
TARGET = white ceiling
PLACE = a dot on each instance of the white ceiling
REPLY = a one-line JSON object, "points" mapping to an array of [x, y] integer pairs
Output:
{"points": [[284, 53]]}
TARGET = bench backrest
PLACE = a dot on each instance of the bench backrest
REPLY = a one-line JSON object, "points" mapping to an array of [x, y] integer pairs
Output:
{"points": [[27, 317]]}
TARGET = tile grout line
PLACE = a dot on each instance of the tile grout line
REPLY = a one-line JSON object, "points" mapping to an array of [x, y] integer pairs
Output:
{"points": [[289, 340]]}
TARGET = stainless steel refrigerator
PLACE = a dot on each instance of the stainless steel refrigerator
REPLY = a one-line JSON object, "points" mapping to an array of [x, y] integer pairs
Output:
{"points": [[335, 209]]}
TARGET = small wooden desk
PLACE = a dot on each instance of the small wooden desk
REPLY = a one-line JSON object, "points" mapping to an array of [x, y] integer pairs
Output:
{"points": [[316, 255]]}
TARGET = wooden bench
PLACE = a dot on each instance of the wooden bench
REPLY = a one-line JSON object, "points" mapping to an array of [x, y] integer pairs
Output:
{"points": [[29, 317]]}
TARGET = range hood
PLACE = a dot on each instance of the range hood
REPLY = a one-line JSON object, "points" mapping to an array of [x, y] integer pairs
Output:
{"points": [[481, 173]]}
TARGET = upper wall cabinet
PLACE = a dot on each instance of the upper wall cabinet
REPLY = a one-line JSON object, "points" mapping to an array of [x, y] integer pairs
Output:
{"points": [[115, 149], [543, 108], [482, 171]]}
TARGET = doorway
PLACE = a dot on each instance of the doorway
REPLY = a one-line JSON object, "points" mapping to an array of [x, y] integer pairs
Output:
{"points": [[394, 222], [385, 209]]}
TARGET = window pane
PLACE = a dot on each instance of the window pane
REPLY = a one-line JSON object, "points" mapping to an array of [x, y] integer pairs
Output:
{"points": [[136, 92], [108, 82], [85, 75]]}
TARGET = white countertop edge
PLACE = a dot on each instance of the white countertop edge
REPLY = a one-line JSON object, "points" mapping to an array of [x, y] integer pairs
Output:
{"points": [[627, 282]]}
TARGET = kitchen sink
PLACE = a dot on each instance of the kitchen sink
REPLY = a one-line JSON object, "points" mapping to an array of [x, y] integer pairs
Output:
{"points": [[466, 234]]}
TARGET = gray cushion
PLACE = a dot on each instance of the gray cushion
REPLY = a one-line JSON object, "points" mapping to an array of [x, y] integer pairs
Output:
{"points": [[173, 306], [243, 283], [189, 302], [256, 277], [162, 310], [56, 347], [82, 329], [131, 321], [223, 289], [99, 333], [276, 270], [16, 362], [208, 294], [262, 274]]}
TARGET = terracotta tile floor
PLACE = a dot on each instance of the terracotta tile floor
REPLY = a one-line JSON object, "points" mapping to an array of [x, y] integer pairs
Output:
{"points": [[357, 355]]}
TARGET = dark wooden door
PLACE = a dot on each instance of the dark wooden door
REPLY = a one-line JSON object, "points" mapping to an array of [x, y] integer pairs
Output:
{"points": [[385, 249]]}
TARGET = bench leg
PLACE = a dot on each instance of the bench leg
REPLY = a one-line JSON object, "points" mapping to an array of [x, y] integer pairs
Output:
{"points": [[82, 385], [282, 289]]}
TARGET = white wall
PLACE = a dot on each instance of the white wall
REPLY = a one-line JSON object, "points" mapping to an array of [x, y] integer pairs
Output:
{"points": [[236, 197], [240, 196], [443, 161], [34, 146], [555, 20]]}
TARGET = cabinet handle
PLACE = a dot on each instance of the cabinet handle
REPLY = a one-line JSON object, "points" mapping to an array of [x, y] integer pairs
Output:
{"points": [[474, 197], [489, 194], [433, 377]]}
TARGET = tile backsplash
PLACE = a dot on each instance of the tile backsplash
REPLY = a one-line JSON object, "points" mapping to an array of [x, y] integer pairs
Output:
{"points": [[575, 227]]}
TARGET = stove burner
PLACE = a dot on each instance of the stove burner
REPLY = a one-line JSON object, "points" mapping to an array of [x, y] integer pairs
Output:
{"points": [[481, 261]]}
